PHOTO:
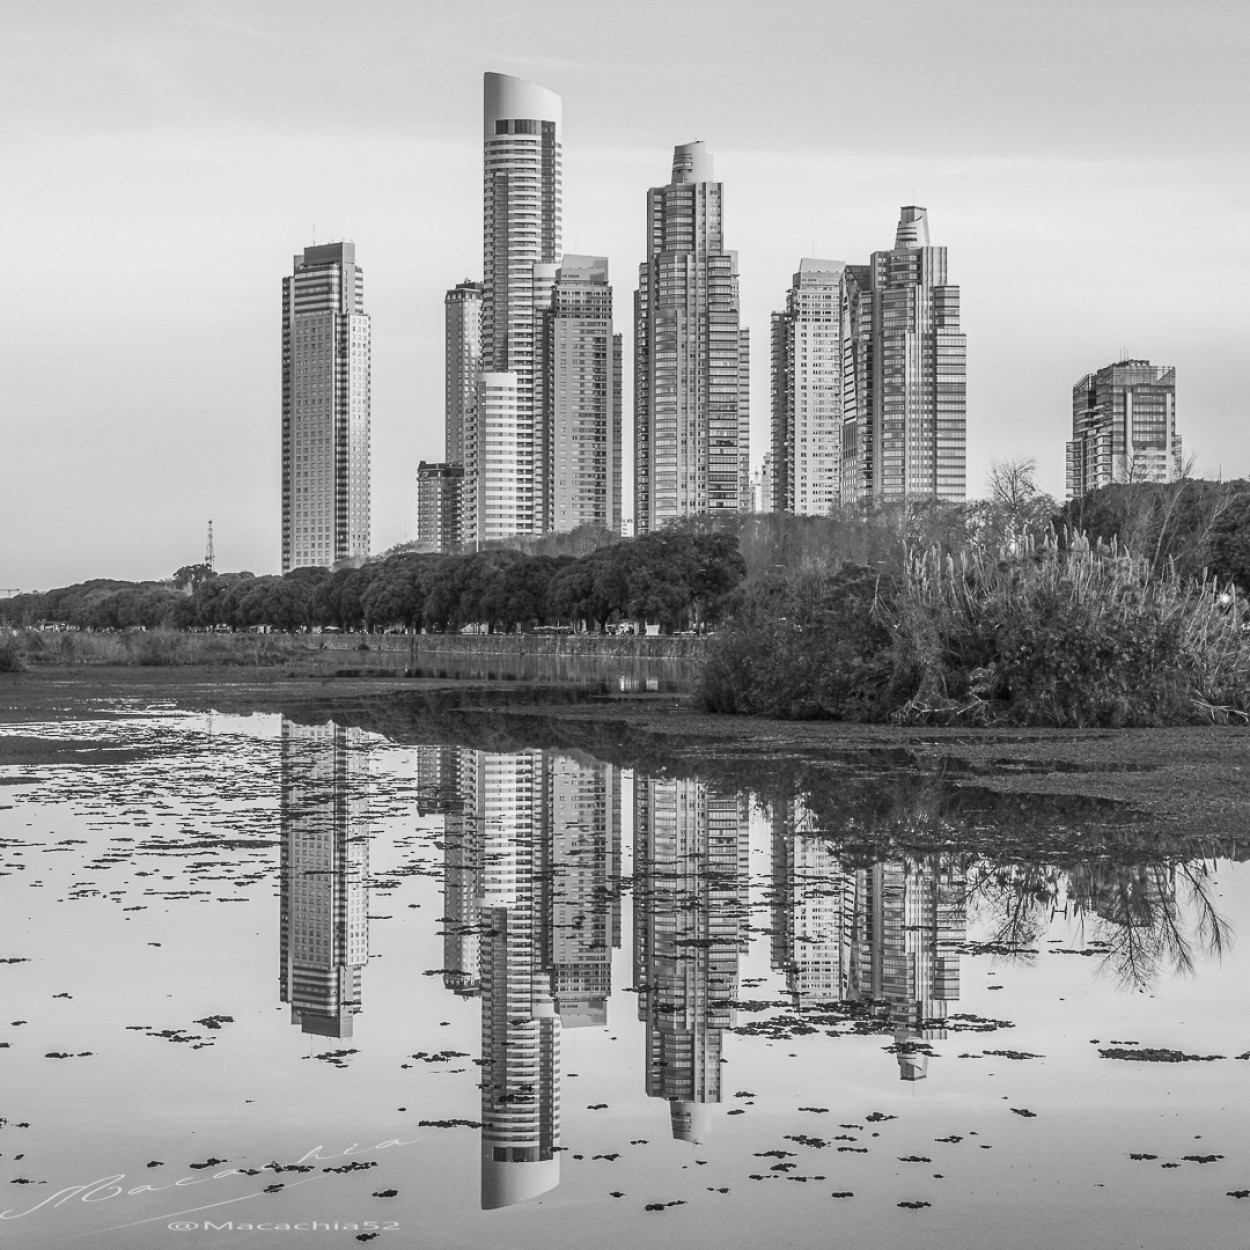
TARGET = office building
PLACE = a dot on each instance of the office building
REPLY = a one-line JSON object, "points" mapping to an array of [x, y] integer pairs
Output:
{"points": [[807, 392], [521, 247], [690, 363], [439, 499], [905, 431], [325, 410], [1123, 427], [580, 430]]}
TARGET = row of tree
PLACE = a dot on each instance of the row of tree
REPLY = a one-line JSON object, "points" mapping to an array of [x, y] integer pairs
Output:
{"points": [[677, 578]]}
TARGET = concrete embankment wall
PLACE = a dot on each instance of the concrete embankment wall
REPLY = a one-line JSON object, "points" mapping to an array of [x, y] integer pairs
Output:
{"points": [[592, 646]]}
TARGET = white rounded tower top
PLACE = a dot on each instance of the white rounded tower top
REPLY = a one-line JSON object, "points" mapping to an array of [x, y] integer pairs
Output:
{"points": [[505, 98], [913, 227], [692, 162]]}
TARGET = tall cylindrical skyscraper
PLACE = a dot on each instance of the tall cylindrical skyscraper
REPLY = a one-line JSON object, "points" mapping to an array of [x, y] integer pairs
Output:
{"points": [[521, 246]]}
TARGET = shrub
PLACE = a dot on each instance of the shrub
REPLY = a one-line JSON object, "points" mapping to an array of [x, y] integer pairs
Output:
{"points": [[12, 659], [1071, 637], [802, 646]]}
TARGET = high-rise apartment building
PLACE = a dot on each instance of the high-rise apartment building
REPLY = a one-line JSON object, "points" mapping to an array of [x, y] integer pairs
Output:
{"points": [[462, 313], [906, 432], [521, 246], [325, 409], [807, 392], [462, 318], [580, 431], [439, 500], [1123, 427], [690, 401]]}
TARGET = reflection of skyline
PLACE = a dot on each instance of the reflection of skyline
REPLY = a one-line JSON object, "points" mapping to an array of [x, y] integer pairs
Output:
{"points": [[325, 862], [887, 934], [531, 854], [690, 923]]}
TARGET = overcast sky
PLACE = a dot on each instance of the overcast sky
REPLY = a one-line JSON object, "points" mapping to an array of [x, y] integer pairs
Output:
{"points": [[1085, 164]]}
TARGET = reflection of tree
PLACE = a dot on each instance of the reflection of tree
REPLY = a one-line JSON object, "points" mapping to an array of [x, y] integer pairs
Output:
{"points": [[1143, 918]]}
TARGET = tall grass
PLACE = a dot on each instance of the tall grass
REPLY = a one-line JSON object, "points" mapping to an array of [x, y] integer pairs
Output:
{"points": [[159, 648], [1086, 636], [1079, 637]]}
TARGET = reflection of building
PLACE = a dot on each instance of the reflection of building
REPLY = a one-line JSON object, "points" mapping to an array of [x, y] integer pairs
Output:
{"points": [[1123, 427], [888, 934], [325, 409], [690, 921], [813, 911], [520, 1030], [910, 921], [531, 854], [582, 913], [441, 790], [325, 862]]}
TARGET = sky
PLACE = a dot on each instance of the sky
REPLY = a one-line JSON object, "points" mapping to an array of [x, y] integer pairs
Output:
{"points": [[1085, 163]]}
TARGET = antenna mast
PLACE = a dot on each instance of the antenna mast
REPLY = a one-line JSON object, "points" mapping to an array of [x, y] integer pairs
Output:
{"points": [[209, 558]]}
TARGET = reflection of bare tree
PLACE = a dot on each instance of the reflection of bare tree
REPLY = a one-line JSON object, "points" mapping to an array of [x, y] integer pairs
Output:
{"points": [[1017, 901], [1143, 918]]}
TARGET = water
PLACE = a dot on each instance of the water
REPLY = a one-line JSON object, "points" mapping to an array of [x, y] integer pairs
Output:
{"points": [[262, 973]]}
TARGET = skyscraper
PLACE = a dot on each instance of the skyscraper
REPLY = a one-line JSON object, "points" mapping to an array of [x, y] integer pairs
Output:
{"points": [[690, 404], [580, 429], [521, 246], [439, 501], [1123, 427], [906, 435], [462, 314], [325, 409], [807, 392], [462, 318]]}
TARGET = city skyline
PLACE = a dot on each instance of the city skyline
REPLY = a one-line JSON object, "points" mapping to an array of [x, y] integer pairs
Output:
{"points": [[133, 139]]}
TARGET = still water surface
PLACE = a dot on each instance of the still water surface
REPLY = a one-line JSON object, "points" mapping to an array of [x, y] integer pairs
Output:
{"points": [[259, 973]]}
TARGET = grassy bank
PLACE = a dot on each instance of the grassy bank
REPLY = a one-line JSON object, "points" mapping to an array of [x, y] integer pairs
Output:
{"points": [[1081, 637], [155, 648]]}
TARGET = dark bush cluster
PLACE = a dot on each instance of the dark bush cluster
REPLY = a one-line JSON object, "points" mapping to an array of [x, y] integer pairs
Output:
{"points": [[804, 645], [1069, 636]]}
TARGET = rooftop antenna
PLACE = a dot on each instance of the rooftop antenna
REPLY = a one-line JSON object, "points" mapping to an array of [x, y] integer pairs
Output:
{"points": [[209, 559]]}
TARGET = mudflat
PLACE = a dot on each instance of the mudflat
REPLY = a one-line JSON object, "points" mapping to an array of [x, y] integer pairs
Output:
{"points": [[1191, 782]]}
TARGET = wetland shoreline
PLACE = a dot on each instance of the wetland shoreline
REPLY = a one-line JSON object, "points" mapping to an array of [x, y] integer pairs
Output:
{"points": [[1188, 781]]}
